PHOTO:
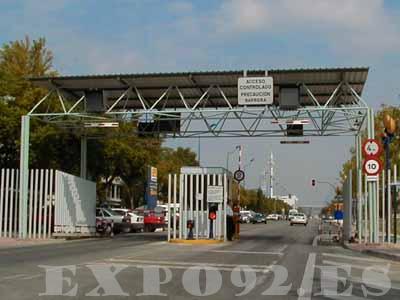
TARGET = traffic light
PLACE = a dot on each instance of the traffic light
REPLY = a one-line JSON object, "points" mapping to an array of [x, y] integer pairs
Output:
{"points": [[313, 182], [212, 215]]}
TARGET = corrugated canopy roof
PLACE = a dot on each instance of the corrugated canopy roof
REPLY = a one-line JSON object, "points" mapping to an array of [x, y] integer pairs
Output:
{"points": [[321, 82]]}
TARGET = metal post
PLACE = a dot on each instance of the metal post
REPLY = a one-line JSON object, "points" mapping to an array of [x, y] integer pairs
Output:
{"points": [[208, 208], [24, 176], [358, 174], [185, 193], [175, 208], [383, 206], [181, 193], [347, 222], [196, 227], [84, 157], [225, 204], [202, 205], [389, 207], [395, 207], [366, 209], [377, 210], [169, 208]]}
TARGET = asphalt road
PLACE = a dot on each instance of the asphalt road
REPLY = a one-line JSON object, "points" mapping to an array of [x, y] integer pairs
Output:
{"points": [[268, 260]]}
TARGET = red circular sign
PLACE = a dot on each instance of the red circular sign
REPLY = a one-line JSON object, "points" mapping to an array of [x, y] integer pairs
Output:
{"points": [[372, 166], [213, 215], [371, 147]]}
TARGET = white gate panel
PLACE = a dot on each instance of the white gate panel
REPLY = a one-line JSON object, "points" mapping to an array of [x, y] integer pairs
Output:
{"points": [[9, 203], [75, 205]]}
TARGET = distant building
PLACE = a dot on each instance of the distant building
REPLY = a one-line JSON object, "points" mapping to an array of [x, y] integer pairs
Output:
{"points": [[113, 192], [290, 199]]}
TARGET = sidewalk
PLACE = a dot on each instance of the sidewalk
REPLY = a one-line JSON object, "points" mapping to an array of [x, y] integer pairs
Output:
{"points": [[385, 251], [6, 243]]}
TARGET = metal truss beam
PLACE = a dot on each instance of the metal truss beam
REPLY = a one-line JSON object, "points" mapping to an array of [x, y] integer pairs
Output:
{"points": [[228, 119]]}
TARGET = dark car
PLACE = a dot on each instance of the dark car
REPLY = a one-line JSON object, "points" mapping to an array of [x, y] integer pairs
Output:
{"points": [[259, 218]]}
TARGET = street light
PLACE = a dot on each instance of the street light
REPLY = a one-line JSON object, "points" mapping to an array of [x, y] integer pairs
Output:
{"points": [[244, 170], [228, 154], [387, 138]]}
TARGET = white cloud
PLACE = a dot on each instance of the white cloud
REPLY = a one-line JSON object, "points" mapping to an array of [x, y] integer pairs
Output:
{"points": [[352, 25]]}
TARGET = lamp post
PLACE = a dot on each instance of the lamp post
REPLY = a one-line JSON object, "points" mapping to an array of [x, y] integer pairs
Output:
{"points": [[244, 170], [387, 138]]}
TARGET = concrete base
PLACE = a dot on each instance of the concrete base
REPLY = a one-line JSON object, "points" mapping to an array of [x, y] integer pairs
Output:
{"points": [[196, 242]]}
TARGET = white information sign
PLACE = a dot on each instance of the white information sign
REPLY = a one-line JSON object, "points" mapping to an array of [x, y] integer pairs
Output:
{"points": [[255, 90], [215, 194]]}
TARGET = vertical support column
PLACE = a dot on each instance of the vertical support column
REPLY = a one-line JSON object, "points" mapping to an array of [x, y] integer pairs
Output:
{"points": [[208, 207], [24, 176], [371, 184], [196, 198], [169, 208], [347, 222], [2, 189], [394, 203], [383, 206], [389, 208], [175, 208], [181, 206], [225, 204], [203, 226], [365, 209], [359, 203], [83, 157], [11, 209], [185, 204]]}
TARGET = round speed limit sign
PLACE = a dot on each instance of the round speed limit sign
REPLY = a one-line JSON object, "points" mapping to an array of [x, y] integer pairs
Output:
{"points": [[371, 147], [372, 166]]}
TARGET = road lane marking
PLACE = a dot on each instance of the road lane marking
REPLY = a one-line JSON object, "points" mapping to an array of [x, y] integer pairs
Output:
{"points": [[315, 241], [206, 267], [305, 290], [193, 265], [353, 257], [246, 252], [12, 277], [185, 263], [31, 277], [282, 249], [361, 267], [356, 279]]}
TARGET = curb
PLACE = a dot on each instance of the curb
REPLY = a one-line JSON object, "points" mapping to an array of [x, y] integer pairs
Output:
{"points": [[376, 253], [196, 242]]}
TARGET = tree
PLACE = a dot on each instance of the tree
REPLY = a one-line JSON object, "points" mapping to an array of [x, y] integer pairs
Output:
{"points": [[18, 61], [170, 162], [379, 129]]}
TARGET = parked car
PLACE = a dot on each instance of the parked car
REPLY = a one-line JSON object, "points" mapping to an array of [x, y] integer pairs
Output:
{"points": [[273, 217], [153, 219], [299, 218], [246, 216], [122, 223], [259, 218], [137, 222], [104, 227]]}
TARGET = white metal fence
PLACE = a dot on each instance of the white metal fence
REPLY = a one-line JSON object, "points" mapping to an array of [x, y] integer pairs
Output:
{"points": [[75, 205], [188, 199], [40, 203]]}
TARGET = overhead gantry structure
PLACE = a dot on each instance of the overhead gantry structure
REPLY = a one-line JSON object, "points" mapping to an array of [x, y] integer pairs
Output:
{"points": [[205, 104]]}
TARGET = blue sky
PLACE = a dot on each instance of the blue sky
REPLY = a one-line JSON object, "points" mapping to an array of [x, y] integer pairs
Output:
{"points": [[162, 36]]}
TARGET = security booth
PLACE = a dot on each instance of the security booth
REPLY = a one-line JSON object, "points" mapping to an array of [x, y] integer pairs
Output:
{"points": [[197, 200]]}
